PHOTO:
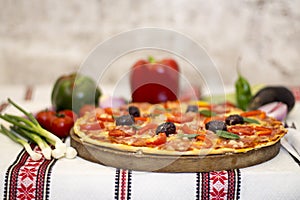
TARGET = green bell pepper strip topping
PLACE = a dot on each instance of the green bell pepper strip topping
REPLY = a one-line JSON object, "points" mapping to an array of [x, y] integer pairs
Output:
{"points": [[189, 136], [207, 113], [227, 135], [250, 120]]}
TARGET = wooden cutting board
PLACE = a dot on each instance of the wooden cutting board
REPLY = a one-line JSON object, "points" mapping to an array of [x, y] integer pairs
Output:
{"points": [[161, 163]]}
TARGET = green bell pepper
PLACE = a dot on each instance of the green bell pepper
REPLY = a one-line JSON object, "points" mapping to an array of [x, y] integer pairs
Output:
{"points": [[73, 91]]}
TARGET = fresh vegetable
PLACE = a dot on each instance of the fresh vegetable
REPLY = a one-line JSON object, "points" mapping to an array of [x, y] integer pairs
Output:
{"points": [[271, 94], [44, 118], [31, 125], [34, 155], [278, 110], [45, 148], [73, 91], [243, 92], [154, 81], [58, 123]]}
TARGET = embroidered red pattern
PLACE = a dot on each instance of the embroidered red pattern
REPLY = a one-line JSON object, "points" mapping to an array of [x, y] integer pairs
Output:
{"points": [[123, 184], [218, 185], [28, 179]]}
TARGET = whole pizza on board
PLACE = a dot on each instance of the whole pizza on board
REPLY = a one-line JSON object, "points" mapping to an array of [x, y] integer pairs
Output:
{"points": [[178, 128]]}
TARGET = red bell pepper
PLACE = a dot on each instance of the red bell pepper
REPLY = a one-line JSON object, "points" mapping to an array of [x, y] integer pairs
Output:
{"points": [[155, 81]]}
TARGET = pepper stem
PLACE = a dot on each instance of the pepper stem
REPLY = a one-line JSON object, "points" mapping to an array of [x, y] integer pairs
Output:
{"points": [[238, 66], [151, 59]]}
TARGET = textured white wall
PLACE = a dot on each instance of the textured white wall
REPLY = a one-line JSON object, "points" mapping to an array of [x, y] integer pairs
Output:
{"points": [[40, 40]]}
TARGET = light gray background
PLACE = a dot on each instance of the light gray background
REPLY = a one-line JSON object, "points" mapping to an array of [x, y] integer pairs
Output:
{"points": [[40, 40]]}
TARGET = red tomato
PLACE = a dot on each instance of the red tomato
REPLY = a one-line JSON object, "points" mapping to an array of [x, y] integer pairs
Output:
{"points": [[242, 130], [161, 138], [61, 126], [118, 133], [59, 123], [69, 113], [44, 118]]}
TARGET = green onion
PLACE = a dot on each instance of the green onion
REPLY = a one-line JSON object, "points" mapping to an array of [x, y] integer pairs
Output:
{"points": [[207, 113], [227, 135], [30, 128], [250, 120], [31, 124], [34, 155], [45, 148]]}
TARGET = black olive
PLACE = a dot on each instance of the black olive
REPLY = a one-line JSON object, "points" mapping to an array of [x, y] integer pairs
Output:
{"points": [[234, 119], [192, 108], [134, 111], [167, 128], [272, 94], [125, 120], [215, 125]]}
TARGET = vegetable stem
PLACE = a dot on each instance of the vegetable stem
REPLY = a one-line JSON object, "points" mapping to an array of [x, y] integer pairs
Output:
{"points": [[34, 155], [45, 148], [31, 124], [29, 115]]}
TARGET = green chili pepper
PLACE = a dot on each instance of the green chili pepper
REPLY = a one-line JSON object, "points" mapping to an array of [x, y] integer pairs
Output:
{"points": [[243, 92]]}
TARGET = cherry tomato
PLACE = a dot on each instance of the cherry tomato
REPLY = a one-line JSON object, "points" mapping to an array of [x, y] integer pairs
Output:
{"points": [[61, 126], [69, 113], [44, 118], [59, 123]]}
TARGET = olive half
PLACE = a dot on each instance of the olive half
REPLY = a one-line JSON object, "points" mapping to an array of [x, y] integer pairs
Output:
{"points": [[272, 94]]}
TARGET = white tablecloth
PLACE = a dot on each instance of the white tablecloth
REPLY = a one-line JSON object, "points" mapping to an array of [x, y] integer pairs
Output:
{"points": [[278, 178]]}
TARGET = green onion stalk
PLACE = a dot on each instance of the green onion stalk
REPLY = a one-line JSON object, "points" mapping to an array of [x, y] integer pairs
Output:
{"points": [[34, 155], [31, 125], [45, 148]]}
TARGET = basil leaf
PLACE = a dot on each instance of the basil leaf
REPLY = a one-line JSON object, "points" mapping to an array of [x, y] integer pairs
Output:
{"points": [[189, 136], [207, 113], [136, 127], [227, 135], [250, 120]]}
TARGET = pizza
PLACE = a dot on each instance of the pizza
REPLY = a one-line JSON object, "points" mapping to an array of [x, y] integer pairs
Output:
{"points": [[178, 128]]}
